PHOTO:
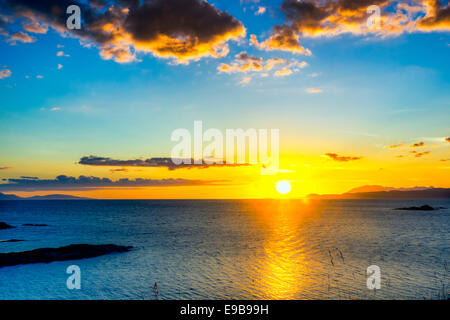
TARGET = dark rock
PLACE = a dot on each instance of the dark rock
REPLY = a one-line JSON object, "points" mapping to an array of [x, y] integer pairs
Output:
{"points": [[4, 225], [422, 208], [34, 225], [71, 252]]}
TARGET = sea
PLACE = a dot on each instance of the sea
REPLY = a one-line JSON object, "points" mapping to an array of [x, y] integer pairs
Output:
{"points": [[232, 249]]}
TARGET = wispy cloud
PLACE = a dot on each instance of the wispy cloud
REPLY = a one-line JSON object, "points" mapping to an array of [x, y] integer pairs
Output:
{"points": [[5, 73], [245, 80], [64, 182], [313, 90], [339, 158], [396, 146], [261, 10], [419, 154], [150, 162], [283, 72], [62, 54]]}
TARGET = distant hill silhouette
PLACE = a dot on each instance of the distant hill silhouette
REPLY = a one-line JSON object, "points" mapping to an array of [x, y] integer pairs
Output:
{"points": [[414, 193], [375, 188], [4, 196]]}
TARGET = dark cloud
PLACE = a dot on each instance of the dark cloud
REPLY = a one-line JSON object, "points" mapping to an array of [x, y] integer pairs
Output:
{"points": [[5, 168], [180, 29], [312, 18], [29, 178], [447, 139], [438, 17], [339, 158], [418, 144], [151, 162], [419, 154], [64, 182], [243, 56]]}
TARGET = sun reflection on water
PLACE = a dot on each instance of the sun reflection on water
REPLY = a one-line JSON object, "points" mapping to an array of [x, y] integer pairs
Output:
{"points": [[282, 271]]}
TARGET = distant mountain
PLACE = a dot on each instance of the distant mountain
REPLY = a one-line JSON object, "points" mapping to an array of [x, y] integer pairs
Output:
{"points": [[56, 197], [375, 188], [414, 193], [4, 196], [9, 197]]}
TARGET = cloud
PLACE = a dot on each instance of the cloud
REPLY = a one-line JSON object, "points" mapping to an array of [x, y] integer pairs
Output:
{"points": [[182, 30], [395, 146], [55, 109], [447, 139], [339, 158], [329, 18], [62, 54], [35, 27], [245, 80], [243, 56], [5, 168], [419, 154], [245, 63], [39, 76], [5, 73], [261, 10], [60, 66], [151, 162], [64, 182], [313, 90], [273, 62], [283, 72], [282, 39], [20, 37], [418, 144]]}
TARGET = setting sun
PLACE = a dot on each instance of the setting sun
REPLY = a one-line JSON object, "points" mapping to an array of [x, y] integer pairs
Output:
{"points": [[283, 187]]}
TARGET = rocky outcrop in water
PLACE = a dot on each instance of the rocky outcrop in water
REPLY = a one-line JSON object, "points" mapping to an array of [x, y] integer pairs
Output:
{"points": [[71, 252], [4, 225], [422, 208]]}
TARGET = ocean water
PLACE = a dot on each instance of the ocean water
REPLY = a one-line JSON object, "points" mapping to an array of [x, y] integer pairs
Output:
{"points": [[246, 249]]}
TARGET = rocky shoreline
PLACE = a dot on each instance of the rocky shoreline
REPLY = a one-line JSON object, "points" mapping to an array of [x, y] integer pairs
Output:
{"points": [[71, 252]]}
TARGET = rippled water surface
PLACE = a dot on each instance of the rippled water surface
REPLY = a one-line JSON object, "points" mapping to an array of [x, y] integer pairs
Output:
{"points": [[252, 249]]}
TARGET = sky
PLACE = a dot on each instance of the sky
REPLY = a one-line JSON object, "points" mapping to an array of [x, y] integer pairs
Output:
{"points": [[355, 103]]}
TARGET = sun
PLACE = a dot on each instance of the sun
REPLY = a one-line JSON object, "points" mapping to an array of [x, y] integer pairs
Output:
{"points": [[283, 187]]}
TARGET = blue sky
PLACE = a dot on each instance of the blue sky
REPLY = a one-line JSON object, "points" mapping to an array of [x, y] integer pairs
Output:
{"points": [[374, 91]]}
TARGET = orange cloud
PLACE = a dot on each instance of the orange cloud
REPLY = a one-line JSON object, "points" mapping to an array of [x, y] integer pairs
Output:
{"points": [[5, 73], [314, 18], [395, 146], [447, 139], [182, 30], [283, 72], [20, 37], [419, 154], [282, 39], [339, 158], [418, 144], [246, 63], [313, 90]]}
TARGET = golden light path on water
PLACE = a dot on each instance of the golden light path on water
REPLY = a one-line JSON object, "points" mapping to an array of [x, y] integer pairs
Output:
{"points": [[282, 271]]}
